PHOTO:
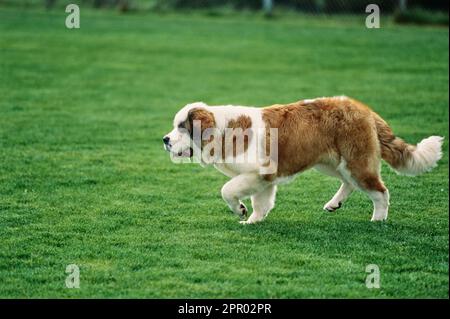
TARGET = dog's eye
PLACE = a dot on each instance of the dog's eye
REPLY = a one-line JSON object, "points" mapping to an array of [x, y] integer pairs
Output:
{"points": [[181, 125]]}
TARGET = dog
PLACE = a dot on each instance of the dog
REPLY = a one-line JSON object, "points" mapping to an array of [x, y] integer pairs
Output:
{"points": [[338, 136]]}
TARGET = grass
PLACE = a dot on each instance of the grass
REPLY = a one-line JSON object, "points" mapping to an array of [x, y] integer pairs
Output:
{"points": [[84, 179]]}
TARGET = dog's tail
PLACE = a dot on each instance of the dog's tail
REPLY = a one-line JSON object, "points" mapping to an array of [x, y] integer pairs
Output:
{"points": [[405, 158]]}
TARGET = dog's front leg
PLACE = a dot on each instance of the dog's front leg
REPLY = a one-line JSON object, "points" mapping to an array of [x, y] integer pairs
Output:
{"points": [[262, 203], [240, 187]]}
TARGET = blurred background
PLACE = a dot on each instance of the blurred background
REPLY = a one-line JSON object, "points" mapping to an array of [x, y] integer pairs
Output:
{"points": [[403, 11]]}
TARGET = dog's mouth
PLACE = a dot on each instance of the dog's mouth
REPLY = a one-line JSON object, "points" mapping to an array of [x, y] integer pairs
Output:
{"points": [[186, 153], [189, 152]]}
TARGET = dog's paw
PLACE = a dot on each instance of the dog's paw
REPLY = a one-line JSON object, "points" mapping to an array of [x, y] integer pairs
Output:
{"points": [[243, 211], [253, 219], [249, 221], [379, 217], [331, 207]]}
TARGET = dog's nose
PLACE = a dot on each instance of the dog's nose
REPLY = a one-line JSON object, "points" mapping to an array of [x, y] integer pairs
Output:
{"points": [[166, 140]]}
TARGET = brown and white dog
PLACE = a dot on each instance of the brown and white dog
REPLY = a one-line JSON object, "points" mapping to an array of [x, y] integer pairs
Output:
{"points": [[338, 136]]}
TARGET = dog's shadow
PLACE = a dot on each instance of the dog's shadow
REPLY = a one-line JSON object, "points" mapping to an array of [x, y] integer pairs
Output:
{"points": [[327, 234]]}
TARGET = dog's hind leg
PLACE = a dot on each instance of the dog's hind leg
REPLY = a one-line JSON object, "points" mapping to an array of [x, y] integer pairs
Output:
{"points": [[373, 186], [343, 192], [367, 178], [341, 195], [262, 203], [360, 163], [240, 187]]}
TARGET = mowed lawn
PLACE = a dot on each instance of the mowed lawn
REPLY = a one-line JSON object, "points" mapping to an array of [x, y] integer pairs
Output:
{"points": [[84, 179]]}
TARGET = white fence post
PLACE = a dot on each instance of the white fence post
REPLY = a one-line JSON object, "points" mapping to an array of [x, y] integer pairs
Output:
{"points": [[402, 5], [267, 7]]}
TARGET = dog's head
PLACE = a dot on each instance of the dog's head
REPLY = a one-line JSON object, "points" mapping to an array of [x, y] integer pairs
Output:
{"points": [[179, 141]]}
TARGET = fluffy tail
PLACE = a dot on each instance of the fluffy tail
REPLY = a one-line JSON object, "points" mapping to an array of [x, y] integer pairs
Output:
{"points": [[408, 159]]}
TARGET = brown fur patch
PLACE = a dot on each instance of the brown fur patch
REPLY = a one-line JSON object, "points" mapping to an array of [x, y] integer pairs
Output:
{"points": [[198, 114], [324, 131], [243, 123], [372, 183], [394, 150], [206, 119]]}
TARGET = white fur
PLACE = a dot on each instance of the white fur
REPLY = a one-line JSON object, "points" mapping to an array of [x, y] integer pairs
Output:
{"points": [[345, 173], [262, 203], [308, 101], [380, 205], [224, 114], [341, 195], [240, 187], [424, 157]]}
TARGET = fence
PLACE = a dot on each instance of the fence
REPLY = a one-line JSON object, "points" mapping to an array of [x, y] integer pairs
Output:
{"points": [[305, 6]]}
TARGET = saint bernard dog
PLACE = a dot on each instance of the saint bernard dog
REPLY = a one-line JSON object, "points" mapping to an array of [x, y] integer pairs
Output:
{"points": [[338, 136]]}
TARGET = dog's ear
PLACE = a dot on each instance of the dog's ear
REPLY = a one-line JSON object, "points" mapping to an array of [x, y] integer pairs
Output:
{"points": [[205, 117]]}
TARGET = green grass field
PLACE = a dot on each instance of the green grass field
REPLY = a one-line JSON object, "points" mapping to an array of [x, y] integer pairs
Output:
{"points": [[84, 179]]}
